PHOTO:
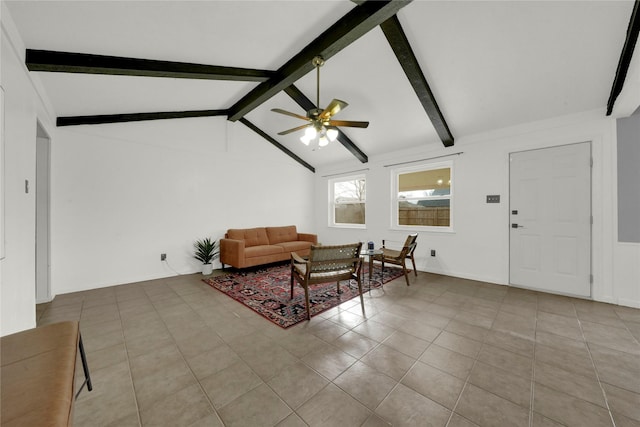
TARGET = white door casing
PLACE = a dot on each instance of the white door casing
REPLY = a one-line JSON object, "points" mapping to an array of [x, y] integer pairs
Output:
{"points": [[550, 219]]}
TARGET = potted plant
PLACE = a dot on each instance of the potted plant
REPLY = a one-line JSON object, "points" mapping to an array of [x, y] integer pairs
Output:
{"points": [[206, 252]]}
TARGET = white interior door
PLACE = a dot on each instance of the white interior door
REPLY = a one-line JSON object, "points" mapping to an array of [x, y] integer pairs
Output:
{"points": [[550, 213]]}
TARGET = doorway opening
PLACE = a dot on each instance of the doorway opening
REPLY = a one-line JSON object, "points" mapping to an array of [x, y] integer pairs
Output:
{"points": [[43, 244]]}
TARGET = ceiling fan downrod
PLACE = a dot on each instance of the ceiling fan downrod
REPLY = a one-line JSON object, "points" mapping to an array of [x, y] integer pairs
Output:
{"points": [[318, 62]]}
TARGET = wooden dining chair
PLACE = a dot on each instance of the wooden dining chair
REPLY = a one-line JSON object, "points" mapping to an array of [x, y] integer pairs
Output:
{"points": [[392, 256], [327, 264]]}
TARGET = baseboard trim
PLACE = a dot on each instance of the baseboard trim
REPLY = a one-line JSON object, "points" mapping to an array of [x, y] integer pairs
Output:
{"points": [[629, 303], [492, 280]]}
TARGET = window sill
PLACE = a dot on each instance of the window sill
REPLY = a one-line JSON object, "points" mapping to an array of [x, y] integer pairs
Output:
{"points": [[444, 230], [354, 226]]}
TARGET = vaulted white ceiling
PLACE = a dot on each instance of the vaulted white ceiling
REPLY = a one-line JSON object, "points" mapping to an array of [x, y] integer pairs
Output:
{"points": [[490, 64]]}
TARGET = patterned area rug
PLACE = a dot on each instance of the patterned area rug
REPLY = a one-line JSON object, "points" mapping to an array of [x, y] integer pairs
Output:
{"points": [[267, 292]]}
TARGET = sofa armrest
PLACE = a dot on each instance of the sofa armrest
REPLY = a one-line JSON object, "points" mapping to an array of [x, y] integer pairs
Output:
{"points": [[232, 252], [307, 237]]}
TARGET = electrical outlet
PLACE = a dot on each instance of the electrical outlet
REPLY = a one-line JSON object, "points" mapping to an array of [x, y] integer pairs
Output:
{"points": [[433, 252], [163, 257]]}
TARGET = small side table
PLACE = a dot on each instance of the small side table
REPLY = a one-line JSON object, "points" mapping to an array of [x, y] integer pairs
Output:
{"points": [[370, 254]]}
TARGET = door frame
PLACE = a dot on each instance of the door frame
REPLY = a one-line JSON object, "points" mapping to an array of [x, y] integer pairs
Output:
{"points": [[509, 219]]}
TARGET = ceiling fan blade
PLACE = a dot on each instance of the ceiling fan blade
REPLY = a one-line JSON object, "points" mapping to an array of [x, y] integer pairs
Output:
{"points": [[333, 108], [348, 123], [286, 132], [288, 113]]}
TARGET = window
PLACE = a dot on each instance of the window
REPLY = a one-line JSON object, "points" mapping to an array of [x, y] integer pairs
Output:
{"points": [[348, 199], [422, 196]]}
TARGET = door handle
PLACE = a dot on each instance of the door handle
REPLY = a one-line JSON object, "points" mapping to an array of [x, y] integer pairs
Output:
{"points": [[516, 226]]}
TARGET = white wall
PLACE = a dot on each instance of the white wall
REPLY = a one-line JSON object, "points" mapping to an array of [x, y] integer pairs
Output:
{"points": [[125, 193], [122, 194], [23, 107], [479, 247]]}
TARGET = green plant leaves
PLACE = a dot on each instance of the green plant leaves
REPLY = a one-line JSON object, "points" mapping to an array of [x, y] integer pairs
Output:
{"points": [[206, 250]]}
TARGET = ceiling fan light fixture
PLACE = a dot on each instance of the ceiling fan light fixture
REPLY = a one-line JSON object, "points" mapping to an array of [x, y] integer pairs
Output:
{"points": [[332, 134], [310, 132], [321, 128], [305, 140]]}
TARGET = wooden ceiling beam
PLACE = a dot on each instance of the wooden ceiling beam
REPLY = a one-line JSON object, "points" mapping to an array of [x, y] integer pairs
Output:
{"points": [[302, 100], [281, 147], [135, 117], [69, 62], [398, 41], [625, 56], [359, 21]]}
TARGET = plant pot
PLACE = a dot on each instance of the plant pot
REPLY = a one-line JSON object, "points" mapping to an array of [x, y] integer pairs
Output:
{"points": [[207, 269]]}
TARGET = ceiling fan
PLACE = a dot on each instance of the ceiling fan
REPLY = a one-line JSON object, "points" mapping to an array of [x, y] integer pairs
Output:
{"points": [[320, 126]]}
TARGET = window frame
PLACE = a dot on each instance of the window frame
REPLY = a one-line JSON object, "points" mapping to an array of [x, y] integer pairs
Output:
{"points": [[332, 203], [395, 177]]}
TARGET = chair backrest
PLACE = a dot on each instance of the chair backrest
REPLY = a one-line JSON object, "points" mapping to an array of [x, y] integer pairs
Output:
{"points": [[323, 259], [409, 245]]}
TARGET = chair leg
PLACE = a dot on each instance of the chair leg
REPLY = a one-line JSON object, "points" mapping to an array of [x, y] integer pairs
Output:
{"points": [[306, 297], [415, 270], [360, 292], [338, 286], [85, 368], [406, 276], [291, 285]]}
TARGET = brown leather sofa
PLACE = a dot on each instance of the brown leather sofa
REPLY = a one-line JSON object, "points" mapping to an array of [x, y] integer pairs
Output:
{"points": [[248, 247]]}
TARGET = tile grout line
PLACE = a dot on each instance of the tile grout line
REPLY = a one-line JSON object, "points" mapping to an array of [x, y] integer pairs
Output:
{"points": [[475, 361], [464, 387], [533, 369], [595, 370], [126, 349], [510, 351], [626, 327], [406, 373], [398, 382], [155, 309], [185, 360], [359, 359], [293, 411]]}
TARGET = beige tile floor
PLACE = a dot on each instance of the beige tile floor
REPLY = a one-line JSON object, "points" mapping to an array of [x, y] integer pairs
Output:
{"points": [[442, 352]]}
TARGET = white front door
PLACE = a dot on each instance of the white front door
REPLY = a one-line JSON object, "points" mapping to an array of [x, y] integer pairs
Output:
{"points": [[550, 219]]}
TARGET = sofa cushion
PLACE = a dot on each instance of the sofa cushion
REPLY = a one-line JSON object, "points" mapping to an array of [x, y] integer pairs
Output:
{"points": [[262, 250], [282, 234], [251, 236], [295, 246]]}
